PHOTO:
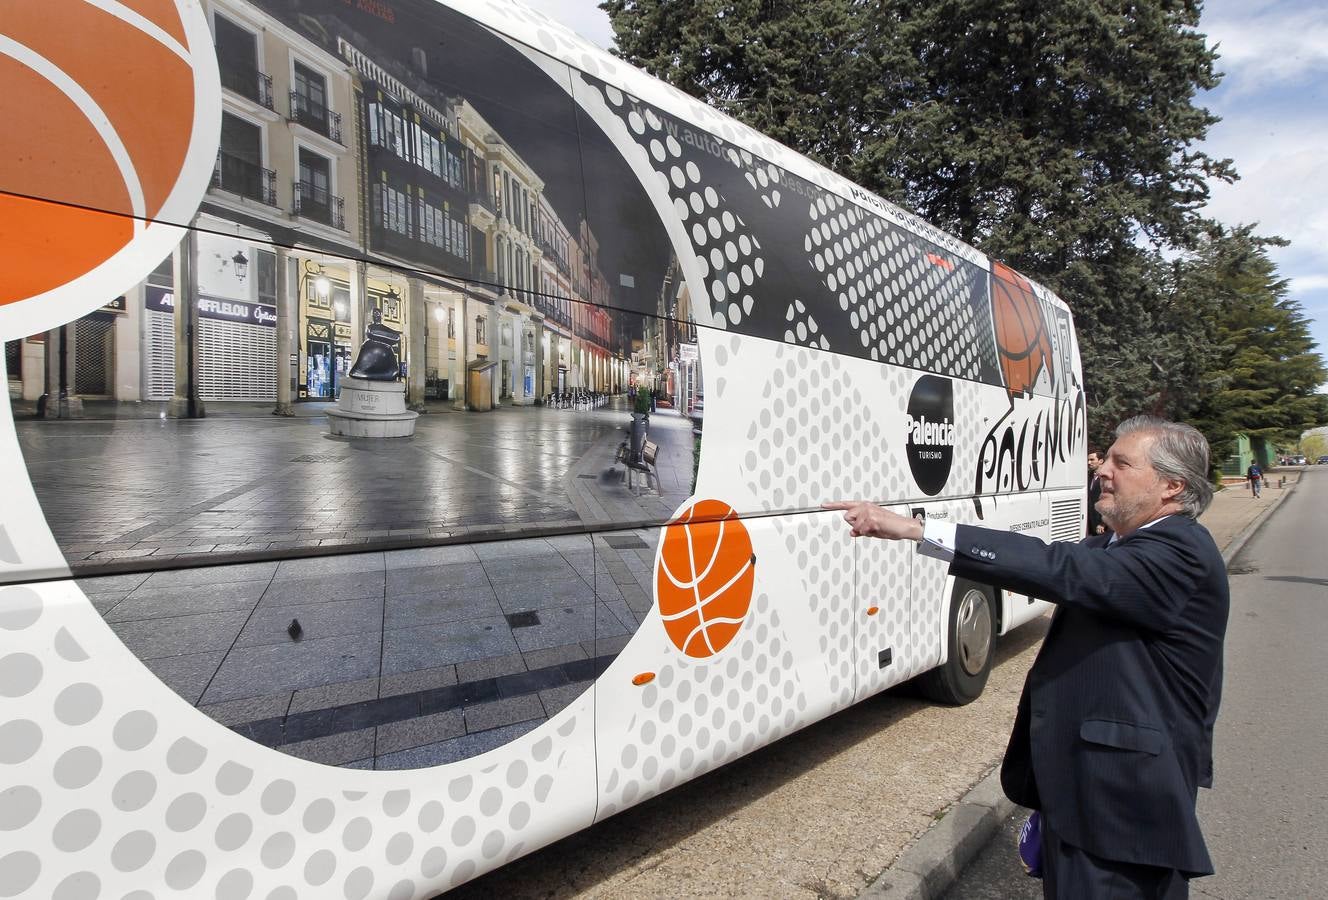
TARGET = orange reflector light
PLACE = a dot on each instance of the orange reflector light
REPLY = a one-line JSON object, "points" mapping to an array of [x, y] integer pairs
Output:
{"points": [[873, 610], [643, 678]]}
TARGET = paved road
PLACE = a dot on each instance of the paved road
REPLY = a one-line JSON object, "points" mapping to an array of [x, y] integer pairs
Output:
{"points": [[1267, 819]]}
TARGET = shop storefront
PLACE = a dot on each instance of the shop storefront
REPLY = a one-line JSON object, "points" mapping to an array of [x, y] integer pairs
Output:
{"points": [[237, 350], [158, 342], [325, 354], [439, 349], [327, 358], [528, 361], [689, 377], [327, 344], [94, 358]]}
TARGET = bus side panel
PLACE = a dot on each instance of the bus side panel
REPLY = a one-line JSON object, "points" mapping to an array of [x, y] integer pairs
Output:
{"points": [[750, 639], [116, 740], [1060, 517], [889, 647], [27, 548]]}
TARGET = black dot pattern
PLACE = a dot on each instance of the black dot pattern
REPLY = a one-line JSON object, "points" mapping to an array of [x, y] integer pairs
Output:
{"points": [[910, 303], [726, 249], [825, 273]]}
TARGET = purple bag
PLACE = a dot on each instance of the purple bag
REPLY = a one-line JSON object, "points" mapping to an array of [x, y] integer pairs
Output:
{"points": [[1030, 845]]}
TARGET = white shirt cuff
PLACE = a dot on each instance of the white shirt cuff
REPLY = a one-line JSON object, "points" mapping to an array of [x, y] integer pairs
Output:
{"points": [[938, 540]]}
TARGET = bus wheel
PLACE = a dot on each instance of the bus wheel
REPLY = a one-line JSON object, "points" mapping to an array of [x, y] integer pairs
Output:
{"points": [[971, 635]]}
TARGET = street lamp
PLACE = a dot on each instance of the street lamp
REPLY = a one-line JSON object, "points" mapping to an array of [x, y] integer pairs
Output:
{"points": [[241, 264]]}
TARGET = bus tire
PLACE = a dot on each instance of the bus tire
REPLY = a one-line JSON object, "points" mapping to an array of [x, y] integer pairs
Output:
{"points": [[971, 635]]}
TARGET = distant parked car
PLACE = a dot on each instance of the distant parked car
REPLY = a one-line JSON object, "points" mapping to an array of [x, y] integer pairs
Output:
{"points": [[1322, 461], [1297, 460]]}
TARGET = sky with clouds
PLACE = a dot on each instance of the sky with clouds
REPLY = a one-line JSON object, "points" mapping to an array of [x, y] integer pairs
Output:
{"points": [[1274, 109]]}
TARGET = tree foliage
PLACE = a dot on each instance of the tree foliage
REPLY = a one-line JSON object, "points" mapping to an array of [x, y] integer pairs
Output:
{"points": [[788, 68], [1314, 444], [1059, 136], [1260, 346]]}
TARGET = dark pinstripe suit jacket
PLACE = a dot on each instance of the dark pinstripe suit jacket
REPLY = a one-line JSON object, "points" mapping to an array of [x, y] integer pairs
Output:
{"points": [[1113, 736]]}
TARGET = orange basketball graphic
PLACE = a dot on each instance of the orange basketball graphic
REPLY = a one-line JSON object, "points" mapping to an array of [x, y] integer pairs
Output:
{"points": [[114, 118], [704, 578], [1022, 341]]}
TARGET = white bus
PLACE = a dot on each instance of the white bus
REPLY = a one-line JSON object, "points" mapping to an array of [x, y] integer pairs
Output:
{"points": [[355, 648]]}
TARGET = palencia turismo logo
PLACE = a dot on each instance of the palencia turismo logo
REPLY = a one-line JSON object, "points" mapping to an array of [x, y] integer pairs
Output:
{"points": [[931, 432], [930, 436]]}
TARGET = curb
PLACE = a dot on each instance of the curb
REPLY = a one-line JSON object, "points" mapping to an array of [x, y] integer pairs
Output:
{"points": [[928, 868], [1237, 543]]}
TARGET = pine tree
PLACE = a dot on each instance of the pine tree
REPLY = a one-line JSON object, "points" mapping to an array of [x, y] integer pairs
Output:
{"points": [[788, 68], [1262, 353]]}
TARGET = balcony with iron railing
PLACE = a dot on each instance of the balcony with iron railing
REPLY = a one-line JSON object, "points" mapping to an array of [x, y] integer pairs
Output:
{"points": [[319, 205], [245, 80], [306, 111], [555, 253], [553, 308], [484, 199], [235, 175]]}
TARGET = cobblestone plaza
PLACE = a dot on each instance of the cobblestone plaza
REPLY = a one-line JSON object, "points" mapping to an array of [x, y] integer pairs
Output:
{"points": [[402, 658]]}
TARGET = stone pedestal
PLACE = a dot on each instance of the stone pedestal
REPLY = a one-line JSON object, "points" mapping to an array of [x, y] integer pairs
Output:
{"points": [[372, 409]]}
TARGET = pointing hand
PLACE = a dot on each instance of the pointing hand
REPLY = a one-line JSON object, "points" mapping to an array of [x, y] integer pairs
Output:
{"points": [[869, 520]]}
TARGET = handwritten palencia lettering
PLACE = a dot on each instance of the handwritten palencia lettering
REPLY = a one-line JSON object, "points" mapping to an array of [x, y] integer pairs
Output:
{"points": [[1026, 445]]}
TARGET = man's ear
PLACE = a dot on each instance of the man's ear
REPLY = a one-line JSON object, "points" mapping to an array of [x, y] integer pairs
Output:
{"points": [[1173, 488]]}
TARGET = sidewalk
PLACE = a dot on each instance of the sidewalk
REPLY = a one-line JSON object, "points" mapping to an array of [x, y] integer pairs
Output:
{"points": [[926, 868], [1234, 509]]}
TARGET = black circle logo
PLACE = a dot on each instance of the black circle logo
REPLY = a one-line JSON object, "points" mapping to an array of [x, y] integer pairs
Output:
{"points": [[931, 432]]}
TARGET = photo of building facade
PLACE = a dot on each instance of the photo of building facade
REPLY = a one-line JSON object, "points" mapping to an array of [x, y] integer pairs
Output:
{"points": [[348, 184]]}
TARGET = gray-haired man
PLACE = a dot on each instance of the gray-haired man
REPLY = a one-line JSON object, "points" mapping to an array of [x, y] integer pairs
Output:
{"points": [[1113, 736]]}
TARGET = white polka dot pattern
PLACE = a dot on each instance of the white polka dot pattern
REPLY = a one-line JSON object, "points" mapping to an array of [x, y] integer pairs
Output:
{"points": [[931, 595], [900, 298], [697, 715], [825, 561], [884, 582], [813, 435], [970, 430], [112, 766], [727, 252], [803, 328]]}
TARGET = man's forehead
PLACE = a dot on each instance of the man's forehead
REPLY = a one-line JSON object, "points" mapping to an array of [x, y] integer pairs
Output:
{"points": [[1131, 445]]}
